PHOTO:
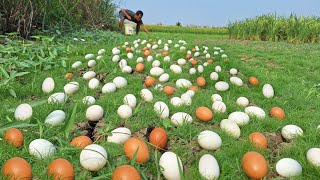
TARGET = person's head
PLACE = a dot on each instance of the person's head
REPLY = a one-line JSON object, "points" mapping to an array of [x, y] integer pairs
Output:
{"points": [[139, 15]]}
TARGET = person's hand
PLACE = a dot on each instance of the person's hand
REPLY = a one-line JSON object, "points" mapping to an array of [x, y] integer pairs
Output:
{"points": [[129, 17]]}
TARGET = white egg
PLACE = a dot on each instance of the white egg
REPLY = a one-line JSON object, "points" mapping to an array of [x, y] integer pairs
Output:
{"points": [[130, 55], [176, 69], [230, 127], [176, 101], [158, 87], [166, 59], [155, 46], [183, 83], [59, 98], [186, 99], [55, 117], [123, 63], [290, 132], [215, 52], [23, 112], [268, 91], [189, 52], [209, 167], [109, 87], [139, 59], [190, 93], [214, 76], [127, 69], [209, 140], [205, 64], [233, 71], [48, 85], [130, 100], [76, 64], [41, 148], [143, 42], [240, 118], [313, 156], [216, 97], [170, 164], [223, 56], [119, 135], [200, 68], [94, 113], [208, 56], [156, 71], [120, 82], [93, 83], [101, 51], [136, 45], [71, 87], [182, 62], [88, 100], [91, 63], [196, 54], [126, 43], [176, 45], [243, 101], [149, 58], [219, 107], [156, 63], [218, 69], [170, 41], [180, 118], [116, 58], [221, 86], [166, 48], [124, 111], [93, 157], [288, 167], [192, 71], [164, 77], [236, 81], [161, 109], [89, 75], [254, 111], [89, 56], [146, 95], [182, 48], [99, 57]]}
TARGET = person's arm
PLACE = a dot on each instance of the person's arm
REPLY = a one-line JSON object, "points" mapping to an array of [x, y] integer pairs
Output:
{"points": [[121, 24], [137, 28], [145, 29], [126, 14]]}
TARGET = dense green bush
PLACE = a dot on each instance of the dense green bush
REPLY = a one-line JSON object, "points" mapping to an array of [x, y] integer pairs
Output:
{"points": [[24, 16]]}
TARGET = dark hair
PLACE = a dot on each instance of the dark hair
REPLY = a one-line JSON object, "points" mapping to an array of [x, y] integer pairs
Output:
{"points": [[139, 12]]}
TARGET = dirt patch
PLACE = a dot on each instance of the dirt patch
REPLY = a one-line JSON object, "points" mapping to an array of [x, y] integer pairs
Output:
{"points": [[94, 130], [246, 58]]}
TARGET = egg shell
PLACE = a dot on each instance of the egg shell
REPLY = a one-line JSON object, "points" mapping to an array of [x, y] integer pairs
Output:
{"points": [[166, 48], [109, 88], [89, 75], [200, 69], [176, 69], [161, 109], [268, 91], [120, 82], [123, 63], [166, 59], [149, 81], [190, 92], [92, 63], [209, 140], [164, 77], [254, 165], [233, 71], [76, 64], [204, 114], [59, 98], [196, 54], [216, 97], [93, 83], [124, 111], [61, 169], [253, 81], [116, 58], [201, 81], [81, 142], [55, 117], [218, 69], [186, 99], [209, 167], [219, 107], [48, 85], [221, 86], [192, 71], [149, 58], [214, 76], [130, 55], [223, 56], [277, 113], [183, 83], [156, 71], [130, 100], [240, 118], [89, 56], [146, 95], [101, 51], [89, 100], [158, 138], [139, 59], [23, 112], [182, 62], [180, 118], [155, 46], [288, 167], [236, 81], [290, 132], [313, 156], [14, 137], [71, 87], [243, 101], [136, 146], [116, 51], [254, 111], [156, 63], [119, 135], [93, 157], [170, 163], [208, 56], [16, 168], [41, 148], [127, 69], [94, 113], [68, 76], [230, 127], [258, 140], [125, 172], [176, 101]]}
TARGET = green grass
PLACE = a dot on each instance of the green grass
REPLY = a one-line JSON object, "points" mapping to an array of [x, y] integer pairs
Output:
{"points": [[292, 70], [191, 30]]}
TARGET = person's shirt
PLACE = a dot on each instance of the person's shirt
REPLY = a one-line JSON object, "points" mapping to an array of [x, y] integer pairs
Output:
{"points": [[131, 14]]}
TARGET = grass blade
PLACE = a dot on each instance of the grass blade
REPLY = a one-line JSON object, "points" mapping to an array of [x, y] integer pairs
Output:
{"points": [[70, 122]]}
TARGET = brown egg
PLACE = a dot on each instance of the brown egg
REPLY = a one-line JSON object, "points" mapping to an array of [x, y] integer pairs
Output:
{"points": [[158, 137], [150, 81], [150, 40], [128, 49], [165, 53], [145, 48], [226, 59], [193, 88], [154, 42], [81, 142], [61, 169], [146, 53], [125, 172], [254, 165], [210, 61], [259, 140], [68, 75], [14, 137], [188, 56], [17, 168], [193, 49], [133, 145], [139, 67], [168, 90], [253, 81], [204, 114], [277, 112], [201, 81], [194, 62]]}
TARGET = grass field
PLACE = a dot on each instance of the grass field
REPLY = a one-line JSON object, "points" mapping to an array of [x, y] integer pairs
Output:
{"points": [[292, 70], [192, 30]]}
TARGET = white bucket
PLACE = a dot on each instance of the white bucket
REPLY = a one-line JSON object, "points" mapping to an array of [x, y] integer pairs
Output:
{"points": [[130, 28]]}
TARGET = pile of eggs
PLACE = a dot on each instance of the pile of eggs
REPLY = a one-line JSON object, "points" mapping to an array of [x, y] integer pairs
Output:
{"points": [[93, 157]]}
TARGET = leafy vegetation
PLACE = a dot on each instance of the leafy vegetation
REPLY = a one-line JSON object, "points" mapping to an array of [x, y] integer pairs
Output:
{"points": [[193, 30]]}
